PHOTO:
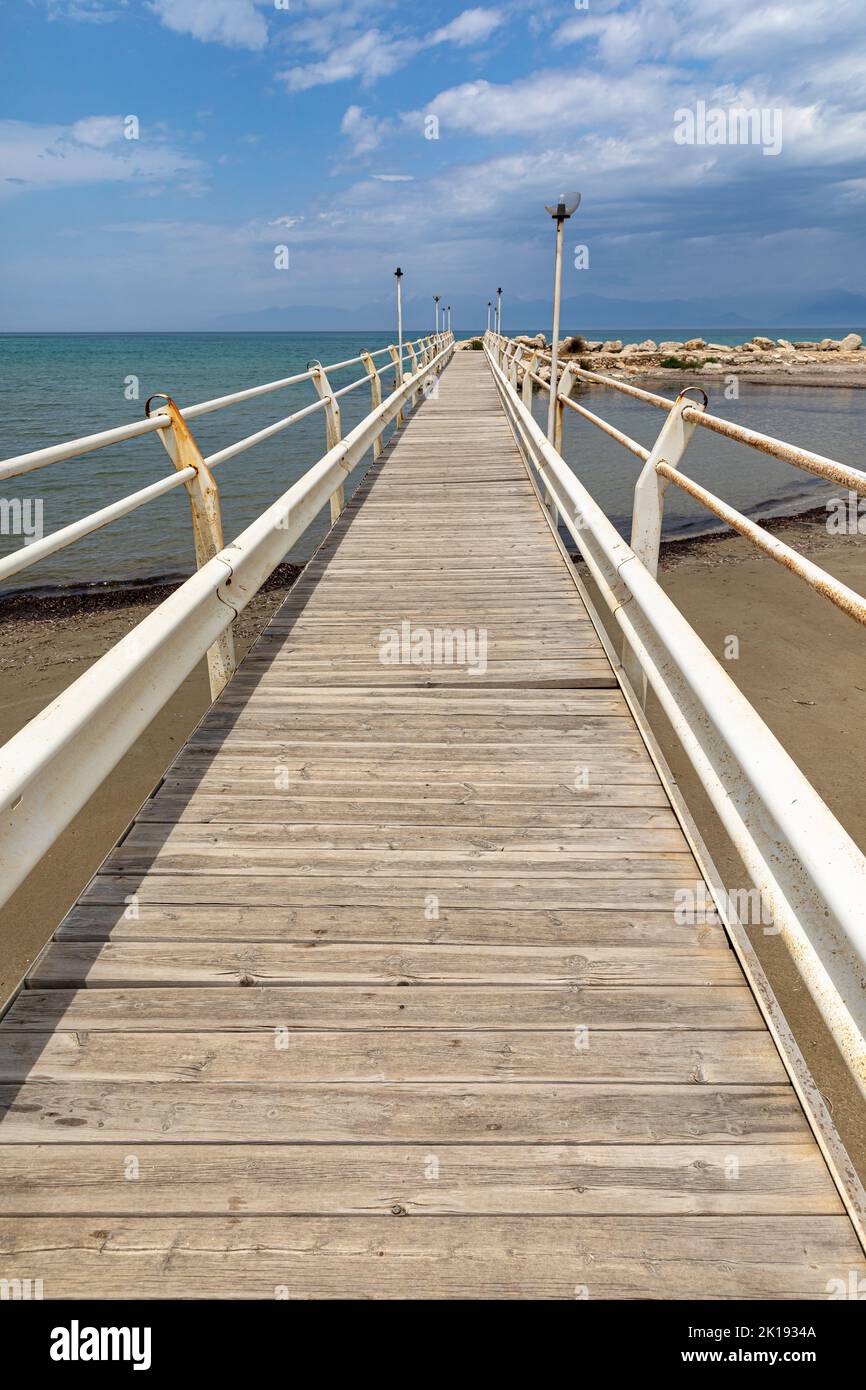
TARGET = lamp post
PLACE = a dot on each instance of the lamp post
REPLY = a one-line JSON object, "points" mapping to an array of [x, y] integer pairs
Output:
{"points": [[436, 302], [448, 324], [398, 275], [499, 311], [560, 212], [488, 315]]}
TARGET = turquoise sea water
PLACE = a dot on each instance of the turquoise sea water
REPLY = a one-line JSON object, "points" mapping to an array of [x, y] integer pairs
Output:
{"points": [[56, 386]]}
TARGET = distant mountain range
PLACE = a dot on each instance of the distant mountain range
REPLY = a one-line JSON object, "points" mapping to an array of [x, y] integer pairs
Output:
{"points": [[834, 309]]}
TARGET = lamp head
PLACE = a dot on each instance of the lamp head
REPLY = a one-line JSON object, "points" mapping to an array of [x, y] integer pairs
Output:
{"points": [[399, 274], [564, 207]]}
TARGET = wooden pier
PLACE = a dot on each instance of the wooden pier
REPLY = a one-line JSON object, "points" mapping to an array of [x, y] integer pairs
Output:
{"points": [[384, 992]]}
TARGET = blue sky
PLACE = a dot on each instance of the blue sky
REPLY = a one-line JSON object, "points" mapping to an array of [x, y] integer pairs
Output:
{"points": [[261, 125]]}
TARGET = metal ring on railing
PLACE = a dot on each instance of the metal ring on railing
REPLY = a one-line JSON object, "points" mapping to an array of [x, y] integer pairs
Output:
{"points": [[686, 389], [158, 396]]}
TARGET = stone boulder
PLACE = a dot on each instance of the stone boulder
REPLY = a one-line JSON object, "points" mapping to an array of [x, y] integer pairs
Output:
{"points": [[648, 345], [669, 348], [828, 345], [612, 345], [763, 343], [694, 344], [851, 342]]}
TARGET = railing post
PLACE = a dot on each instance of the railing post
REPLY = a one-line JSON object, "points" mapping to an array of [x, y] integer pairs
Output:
{"points": [[526, 389], [512, 368], [376, 395], [564, 388], [207, 526], [333, 431], [648, 505]]}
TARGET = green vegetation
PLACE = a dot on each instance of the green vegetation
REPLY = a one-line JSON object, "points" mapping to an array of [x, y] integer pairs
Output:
{"points": [[677, 364], [476, 345]]}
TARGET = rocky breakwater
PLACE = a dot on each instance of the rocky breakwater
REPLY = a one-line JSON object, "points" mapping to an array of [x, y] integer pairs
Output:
{"points": [[828, 361]]}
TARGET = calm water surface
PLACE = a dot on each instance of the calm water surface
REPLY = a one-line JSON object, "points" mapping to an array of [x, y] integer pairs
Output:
{"points": [[53, 387]]}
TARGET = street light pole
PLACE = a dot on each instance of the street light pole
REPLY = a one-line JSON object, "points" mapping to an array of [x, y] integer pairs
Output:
{"points": [[499, 311], [436, 302], [448, 327], [488, 315], [399, 276], [560, 212]]}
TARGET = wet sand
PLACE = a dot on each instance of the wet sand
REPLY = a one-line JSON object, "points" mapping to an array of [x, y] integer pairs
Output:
{"points": [[800, 663]]}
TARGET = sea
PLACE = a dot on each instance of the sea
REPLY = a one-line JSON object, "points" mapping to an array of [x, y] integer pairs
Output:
{"points": [[54, 387]]}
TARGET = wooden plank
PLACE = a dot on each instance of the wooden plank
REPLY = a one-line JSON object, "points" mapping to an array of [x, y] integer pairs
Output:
{"points": [[145, 920], [491, 1257], [227, 855], [424, 817], [386, 1179], [687, 1057], [435, 1113], [390, 1006], [625, 766], [375, 890], [443, 793], [98, 965], [364, 701], [638, 841]]}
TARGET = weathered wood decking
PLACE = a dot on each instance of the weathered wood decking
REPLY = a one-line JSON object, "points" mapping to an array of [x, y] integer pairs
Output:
{"points": [[383, 994]]}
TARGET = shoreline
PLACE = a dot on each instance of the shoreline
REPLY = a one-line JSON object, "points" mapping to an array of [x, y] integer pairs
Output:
{"points": [[110, 595], [82, 597]]}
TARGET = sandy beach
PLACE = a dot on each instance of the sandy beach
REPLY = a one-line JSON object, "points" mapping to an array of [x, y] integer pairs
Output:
{"points": [[810, 690]]}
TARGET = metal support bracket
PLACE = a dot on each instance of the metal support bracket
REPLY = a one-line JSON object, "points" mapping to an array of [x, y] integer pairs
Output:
{"points": [[333, 430], [207, 526], [376, 395], [648, 505]]}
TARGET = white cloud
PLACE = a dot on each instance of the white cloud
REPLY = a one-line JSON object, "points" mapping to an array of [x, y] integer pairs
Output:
{"points": [[235, 23], [472, 26], [285, 222], [545, 101], [372, 54], [87, 11], [98, 131], [393, 178], [364, 132], [92, 150]]}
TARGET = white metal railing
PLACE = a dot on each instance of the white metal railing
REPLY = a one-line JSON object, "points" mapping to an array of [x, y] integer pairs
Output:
{"points": [[193, 472], [50, 768], [663, 461], [811, 874]]}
